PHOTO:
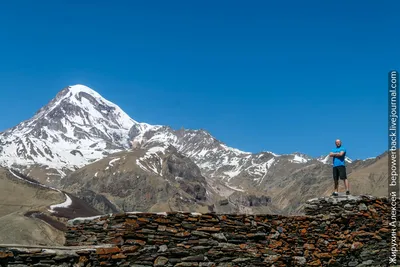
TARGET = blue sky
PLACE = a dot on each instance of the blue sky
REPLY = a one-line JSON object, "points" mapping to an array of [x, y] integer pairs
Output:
{"points": [[259, 75]]}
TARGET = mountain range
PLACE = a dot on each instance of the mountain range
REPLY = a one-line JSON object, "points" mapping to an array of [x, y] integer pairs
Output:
{"points": [[87, 146]]}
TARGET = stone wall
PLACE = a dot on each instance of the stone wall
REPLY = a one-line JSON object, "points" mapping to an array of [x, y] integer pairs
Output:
{"points": [[344, 231], [45, 257], [364, 204]]}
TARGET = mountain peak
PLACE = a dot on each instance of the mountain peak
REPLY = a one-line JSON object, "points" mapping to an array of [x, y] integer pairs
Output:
{"points": [[77, 89], [76, 127], [82, 88]]}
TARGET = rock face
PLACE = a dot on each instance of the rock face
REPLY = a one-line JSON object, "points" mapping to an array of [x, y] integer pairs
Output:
{"points": [[148, 179]]}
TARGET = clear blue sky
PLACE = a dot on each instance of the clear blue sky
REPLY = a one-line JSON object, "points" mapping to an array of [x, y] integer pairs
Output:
{"points": [[259, 75]]}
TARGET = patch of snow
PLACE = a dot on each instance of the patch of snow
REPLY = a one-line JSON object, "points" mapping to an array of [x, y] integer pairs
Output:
{"points": [[234, 188], [273, 154], [324, 159], [83, 219], [27, 181], [112, 161], [270, 162], [348, 160], [157, 149], [298, 159], [65, 204], [141, 165]]}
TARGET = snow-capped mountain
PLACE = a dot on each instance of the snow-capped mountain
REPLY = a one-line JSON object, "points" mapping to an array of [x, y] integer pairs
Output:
{"points": [[76, 127], [79, 126], [217, 160]]}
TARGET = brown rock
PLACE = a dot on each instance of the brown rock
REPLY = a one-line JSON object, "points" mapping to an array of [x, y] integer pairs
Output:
{"points": [[272, 258], [309, 246], [83, 259], [356, 246], [118, 256], [183, 234], [132, 223], [117, 241], [243, 246], [275, 244], [171, 230], [331, 262], [209, 229], [160, 261], [377, 237], [162, 220], [335, 252], [6, 254], [223, 218], [145, 220], [130, 249], [112, 250], [315, 263], [323, 255]]}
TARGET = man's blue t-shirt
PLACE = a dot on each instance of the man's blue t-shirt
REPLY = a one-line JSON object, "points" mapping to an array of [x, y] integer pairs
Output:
{"points": [[339, 161]]}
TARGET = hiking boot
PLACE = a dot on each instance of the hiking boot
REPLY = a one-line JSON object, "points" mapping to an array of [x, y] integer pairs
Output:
{"points": [[347, 192], [335, 194]]}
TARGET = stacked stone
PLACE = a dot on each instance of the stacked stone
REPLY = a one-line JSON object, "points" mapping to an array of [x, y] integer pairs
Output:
{"points": [[22, 257], [348, 205], [357, 238]]}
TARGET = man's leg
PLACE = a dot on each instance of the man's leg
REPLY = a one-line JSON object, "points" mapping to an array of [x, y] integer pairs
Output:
{"points": [[336, 180], [346, 184], [343, 176]]}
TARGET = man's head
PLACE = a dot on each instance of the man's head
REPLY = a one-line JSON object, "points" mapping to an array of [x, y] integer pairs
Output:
{"points": [[338, 143]]}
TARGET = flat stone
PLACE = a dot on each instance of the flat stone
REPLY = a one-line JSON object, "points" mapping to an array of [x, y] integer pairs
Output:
{"points": [[194, 258], [163, 248], [160, 261], [352, 263], [299, 261], [366, 263]]}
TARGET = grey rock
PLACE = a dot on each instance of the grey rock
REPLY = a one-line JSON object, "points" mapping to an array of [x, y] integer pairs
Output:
{"points": [[299, 261], [366, 263], [362, 207], [163, 248]]}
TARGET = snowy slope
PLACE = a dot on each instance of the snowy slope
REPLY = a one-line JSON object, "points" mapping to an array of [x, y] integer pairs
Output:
{"points": [[215, 159], [77, 127]]}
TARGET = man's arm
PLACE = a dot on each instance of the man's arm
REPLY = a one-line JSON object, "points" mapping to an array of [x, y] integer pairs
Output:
{"points": [[340, 154]]}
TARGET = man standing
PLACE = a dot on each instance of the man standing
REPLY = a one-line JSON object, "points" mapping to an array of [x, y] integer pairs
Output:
{"points": [[339, 168]]}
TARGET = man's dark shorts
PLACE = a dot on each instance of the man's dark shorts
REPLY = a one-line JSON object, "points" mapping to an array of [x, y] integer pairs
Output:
{"points": [[339, 171]]}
